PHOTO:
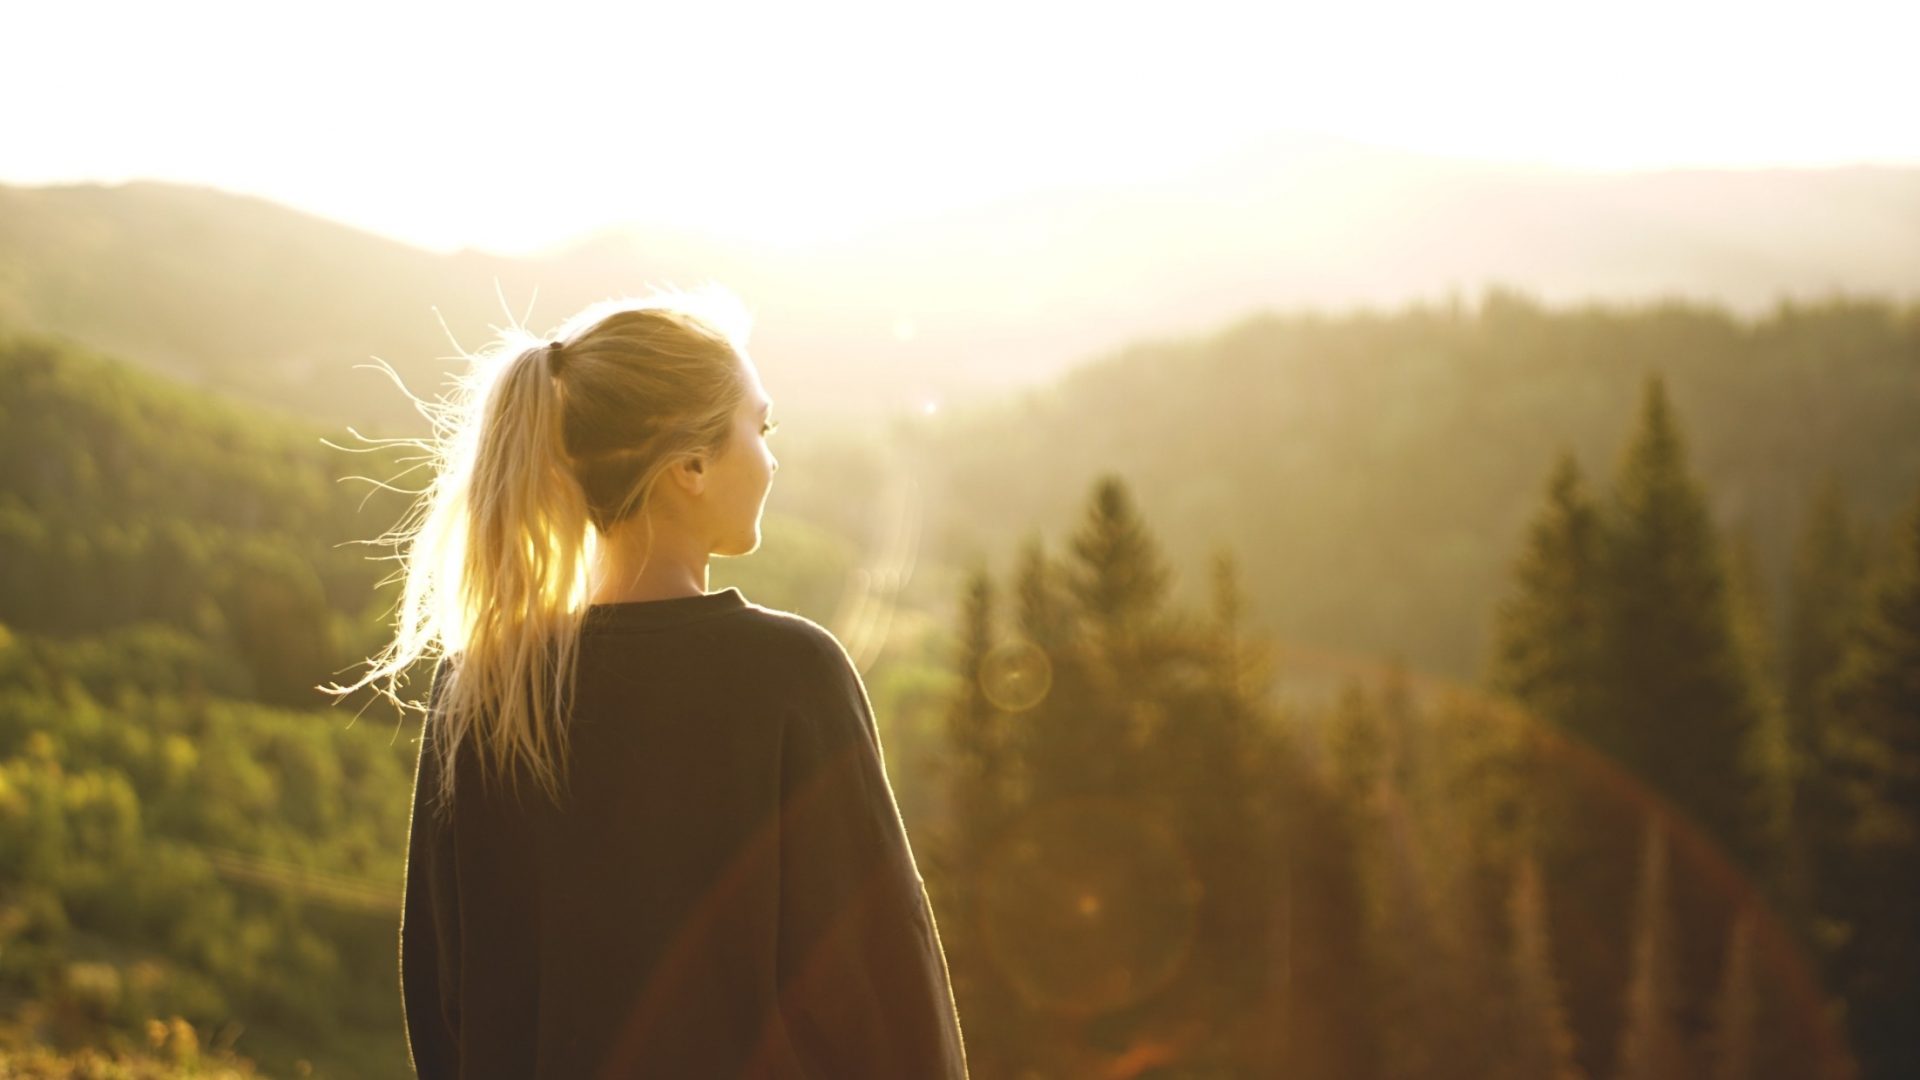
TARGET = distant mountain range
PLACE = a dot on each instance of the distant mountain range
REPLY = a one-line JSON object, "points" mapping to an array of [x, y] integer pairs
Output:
{"points": [[278, 305]]}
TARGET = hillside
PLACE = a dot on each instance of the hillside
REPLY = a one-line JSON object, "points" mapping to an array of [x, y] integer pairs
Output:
{"points": [[1375, 471]]}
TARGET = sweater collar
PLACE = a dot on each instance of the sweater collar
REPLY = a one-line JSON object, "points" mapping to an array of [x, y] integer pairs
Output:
{"points": [[661, 614]]}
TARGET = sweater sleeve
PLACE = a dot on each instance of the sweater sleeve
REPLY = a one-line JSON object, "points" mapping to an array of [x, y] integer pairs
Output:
{"points": [[863, 980], [429, 921]]}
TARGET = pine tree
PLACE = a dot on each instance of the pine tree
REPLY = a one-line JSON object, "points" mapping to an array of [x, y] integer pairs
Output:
{"points": [[1681, 711], [1117, 577], [1067, 742], [1042, 612], [1227, 732], [1117, 584], [1652, 1040], [1769, 755], [1207, 768], [977, 812], [1826, 599], [1492, 769], [1874, 743], [975, 739], [1100, 788], [1547, 635], [1242, 667]]}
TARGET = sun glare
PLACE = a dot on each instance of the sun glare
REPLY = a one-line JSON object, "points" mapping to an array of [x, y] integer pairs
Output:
{"points": [[781, 126]]}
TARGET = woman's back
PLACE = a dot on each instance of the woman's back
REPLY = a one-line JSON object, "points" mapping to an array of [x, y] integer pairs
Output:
{"points": [[725, 890]]}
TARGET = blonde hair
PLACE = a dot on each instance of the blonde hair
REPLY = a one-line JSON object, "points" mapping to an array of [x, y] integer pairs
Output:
{"points": [[543, 448]]}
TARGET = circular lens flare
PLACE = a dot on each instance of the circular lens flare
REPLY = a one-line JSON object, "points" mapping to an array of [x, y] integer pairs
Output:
{"points": [[1016, 675], [1090, 905]]}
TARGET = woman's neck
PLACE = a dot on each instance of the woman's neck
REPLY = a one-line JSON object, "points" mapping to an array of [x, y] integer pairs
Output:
{"points": [[670, 571]]}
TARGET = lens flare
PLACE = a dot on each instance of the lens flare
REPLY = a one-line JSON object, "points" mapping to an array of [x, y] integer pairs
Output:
{"points": [[1089, 905], [1016, 675]]}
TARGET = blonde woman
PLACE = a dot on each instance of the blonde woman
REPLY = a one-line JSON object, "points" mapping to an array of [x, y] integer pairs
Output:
{"points": [[652, 835]]}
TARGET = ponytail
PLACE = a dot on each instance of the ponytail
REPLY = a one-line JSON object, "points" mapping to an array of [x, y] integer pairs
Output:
{"points": [[543, 447]]}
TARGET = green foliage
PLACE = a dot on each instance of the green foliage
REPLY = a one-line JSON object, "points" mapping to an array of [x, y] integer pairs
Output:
{"points": [[1408, 882], [1625, 632], [1873, 747], [174, 568], [194, 841], [171, 1050], [1681, 710], [1106, 770], [1116, 575], [1547, 641], [1631, 636], [1377, 469], [132, 501]]}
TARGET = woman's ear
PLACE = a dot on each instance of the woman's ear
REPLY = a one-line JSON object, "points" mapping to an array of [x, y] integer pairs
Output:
{"points": [[690, 473]]}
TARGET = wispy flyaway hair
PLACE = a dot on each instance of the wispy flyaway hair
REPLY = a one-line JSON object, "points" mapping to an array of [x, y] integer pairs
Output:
{"points": [[544, 446]]}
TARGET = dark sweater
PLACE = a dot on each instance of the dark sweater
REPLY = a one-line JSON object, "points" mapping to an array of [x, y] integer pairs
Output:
{"points": [[726, 891]]}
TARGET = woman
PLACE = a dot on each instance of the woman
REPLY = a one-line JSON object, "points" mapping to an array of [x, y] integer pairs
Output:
{"points": [[652, 834]]}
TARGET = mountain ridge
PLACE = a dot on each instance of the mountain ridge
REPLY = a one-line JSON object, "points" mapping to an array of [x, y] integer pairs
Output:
{"points": [[279, 304]]}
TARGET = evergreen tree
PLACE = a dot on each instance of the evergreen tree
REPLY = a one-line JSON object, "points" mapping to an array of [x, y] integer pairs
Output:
{"points": [[1100, 789], [1121, 648], [1769, 753], [1681, 712], [1066, 742], [1653, 1042], [1042, 611], [1547, 635], [1826, 598], [975, 740], [979, 808], [1875, 750], [1117, 577], [1547, 656], [1492, 768], [1209, 763]]}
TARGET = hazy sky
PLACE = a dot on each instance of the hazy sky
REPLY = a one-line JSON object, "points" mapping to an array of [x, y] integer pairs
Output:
{"points": [[516, 126]]}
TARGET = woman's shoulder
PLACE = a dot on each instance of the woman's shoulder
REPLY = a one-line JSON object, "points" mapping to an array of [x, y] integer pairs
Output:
{"points": [[795, 639]]}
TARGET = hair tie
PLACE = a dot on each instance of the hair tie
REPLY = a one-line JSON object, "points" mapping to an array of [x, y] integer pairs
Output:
{"points": [[556, 359]]}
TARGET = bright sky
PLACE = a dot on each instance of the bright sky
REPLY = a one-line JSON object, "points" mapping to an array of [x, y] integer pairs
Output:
{"points": [[513, 127]]}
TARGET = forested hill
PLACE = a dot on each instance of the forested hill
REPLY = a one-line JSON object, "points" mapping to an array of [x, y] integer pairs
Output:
{"points": [[128, 499], [189, 832], [1376, 471], [279, 305]]}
